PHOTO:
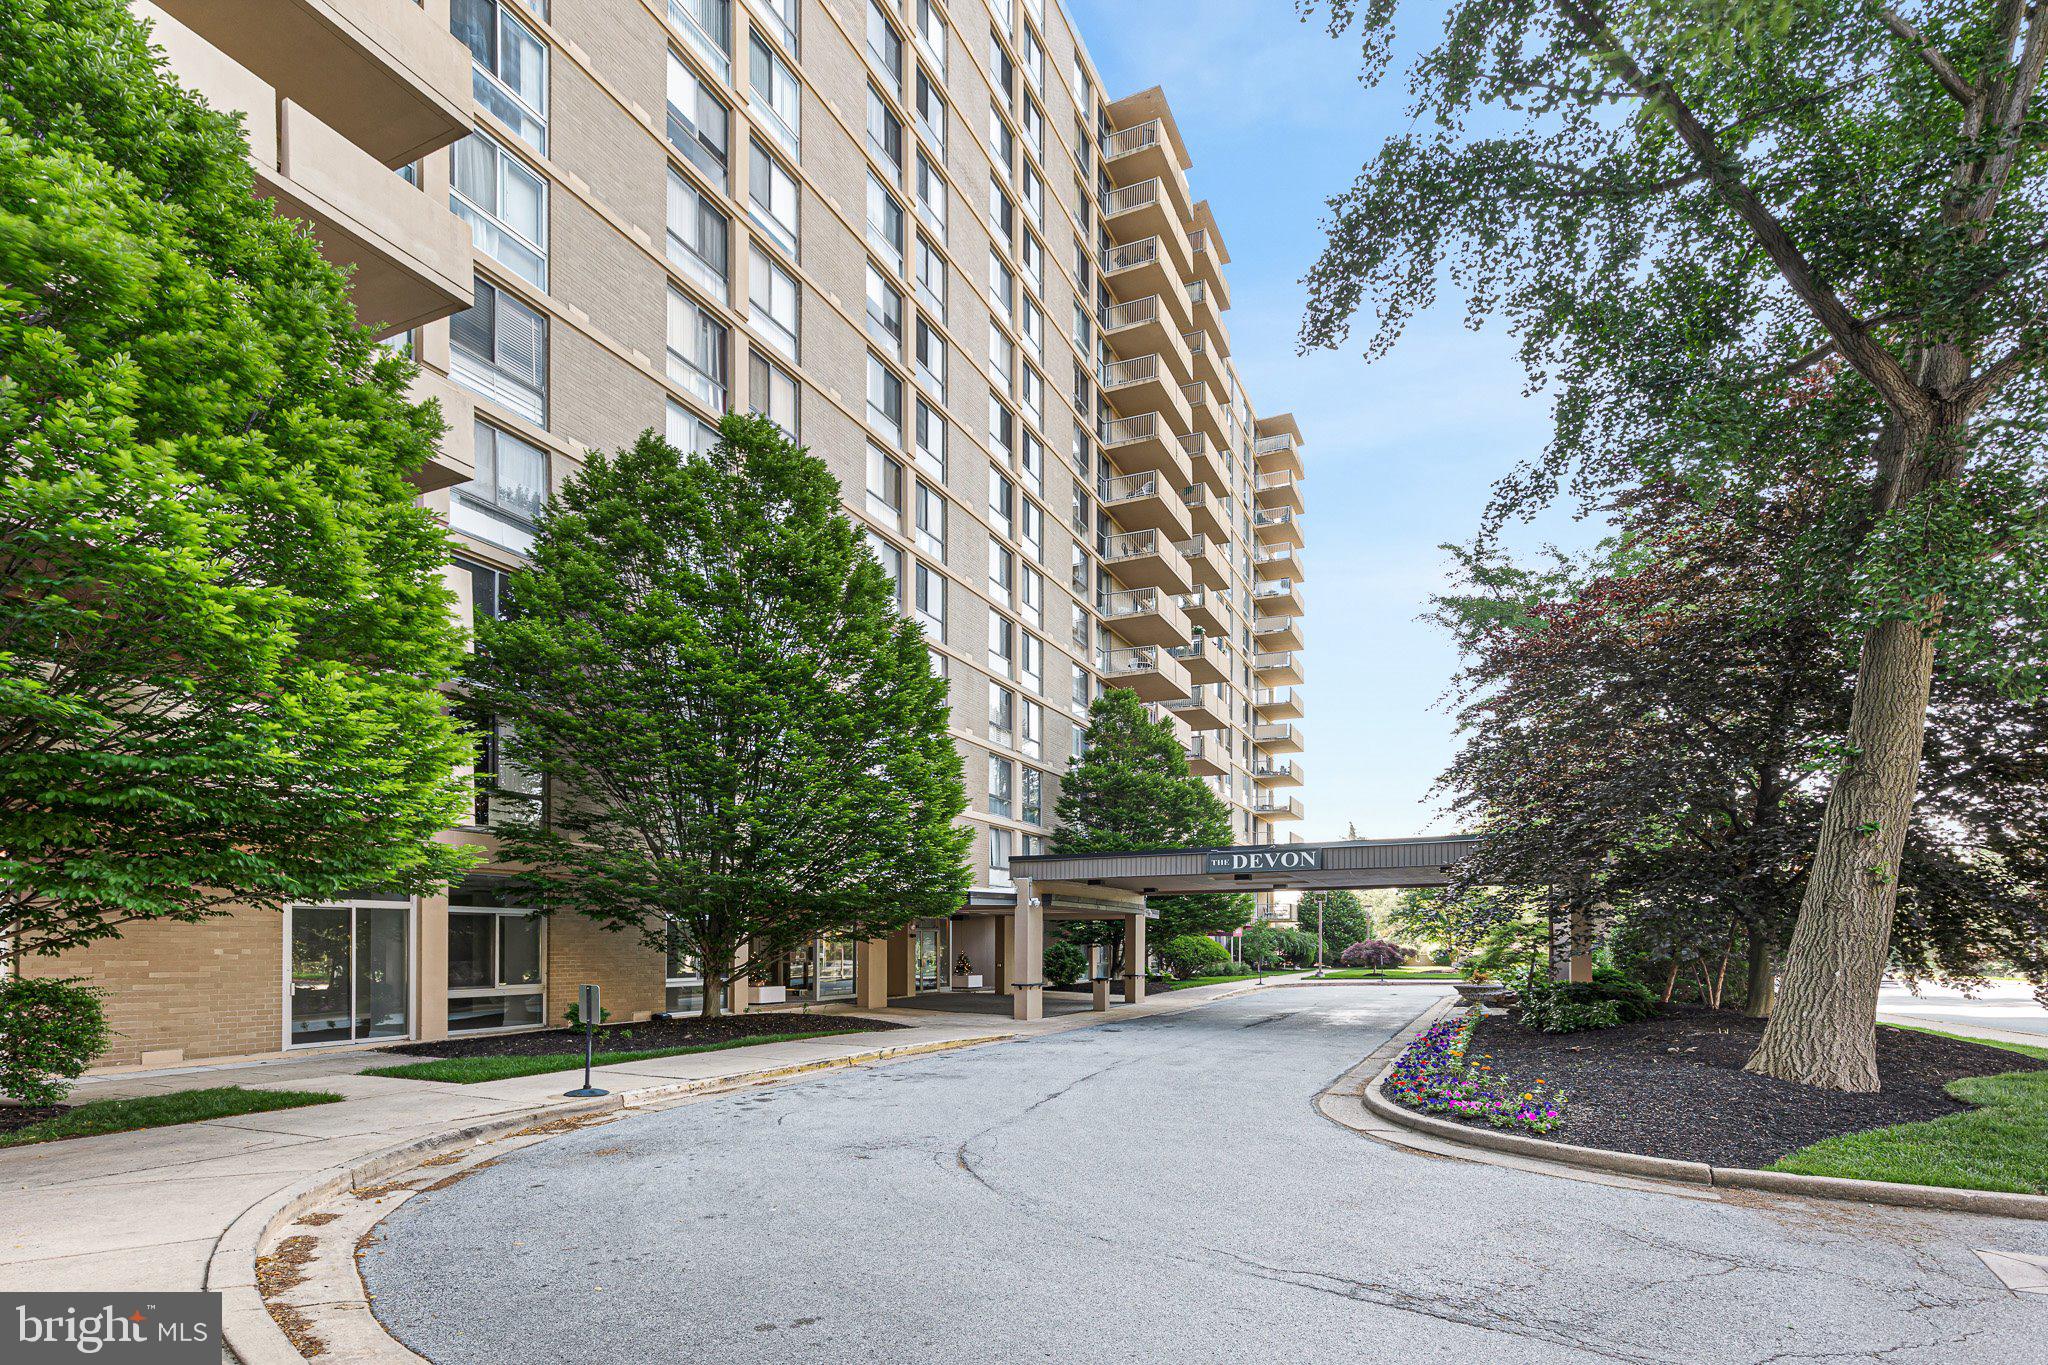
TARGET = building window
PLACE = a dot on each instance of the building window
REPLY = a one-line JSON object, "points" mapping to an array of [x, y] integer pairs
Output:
{"points": [[931, 521], [931, 439], [931, 602], [1002, 143], [885, 310], [1034, 57], [708, 26], [885, 399], [505, 204], [500, 349], [771, 198], [1032, 324], [1002, 645], [885, 130], [891, 560], [1080, 694], [1031, 662], [697, 350], [885, 44], [930, 107], [1034, 464], [1034, 531], [688, 432], [931, 32], [1034, 129], [1002, 777], [772, 295], [999, 857], [1002, 353], [699, 236], [1031, 591], [1033, 742], [776, 96], [1032, 806], [1002, 502], [1002, 285], [885, 221], [772, 392], [506, 793], [503, 502], [1002, 429], [931, 192], [1002, 713], [931, 358], [1002, 211], [509, 77], [931, 277], [494, 968], [699, 124], [885, 485], [487, 586], [1002, 573]]}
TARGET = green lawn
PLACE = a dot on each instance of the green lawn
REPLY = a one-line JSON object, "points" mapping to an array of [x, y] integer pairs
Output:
{"points": [[470, 1070], [2000, 1145], [160, 1111], [1392, 974], [1205, 981]]}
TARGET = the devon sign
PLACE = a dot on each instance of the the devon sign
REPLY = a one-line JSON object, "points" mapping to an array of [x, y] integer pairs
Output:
{"points": [[1224, 861]]}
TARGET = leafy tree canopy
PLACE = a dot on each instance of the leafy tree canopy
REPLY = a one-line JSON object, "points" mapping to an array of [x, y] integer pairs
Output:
{"points": [[744, 740], [223, 623]]}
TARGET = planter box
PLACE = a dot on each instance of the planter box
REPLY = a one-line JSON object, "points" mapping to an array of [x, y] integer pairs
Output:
{"points": [[771, 995], [1483, 993], [967, 983]]}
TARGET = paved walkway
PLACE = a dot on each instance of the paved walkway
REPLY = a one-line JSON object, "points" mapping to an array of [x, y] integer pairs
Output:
{"points": [[143, 1210], [1157, 1189], [2006, 1009]]}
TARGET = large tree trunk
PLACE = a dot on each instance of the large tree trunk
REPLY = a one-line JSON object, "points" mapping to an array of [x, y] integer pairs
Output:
{"points": [[1824, 1030], [1761, 991]]}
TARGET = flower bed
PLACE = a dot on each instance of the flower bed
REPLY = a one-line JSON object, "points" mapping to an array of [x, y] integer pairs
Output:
{"points": [[1435, 1075]]}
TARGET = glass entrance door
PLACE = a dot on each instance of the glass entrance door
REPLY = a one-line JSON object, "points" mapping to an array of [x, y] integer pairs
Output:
{"points": [[350, 973], [930, 960]]}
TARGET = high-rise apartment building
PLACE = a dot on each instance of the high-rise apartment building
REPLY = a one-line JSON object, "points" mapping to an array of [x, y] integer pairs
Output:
{"points": [[915, 233]]}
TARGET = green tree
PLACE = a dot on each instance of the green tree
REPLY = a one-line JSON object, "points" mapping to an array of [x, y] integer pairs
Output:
{"points": [[744, 741], [1131, 789], [1343, 917], [222, 620], [1689, 213]]}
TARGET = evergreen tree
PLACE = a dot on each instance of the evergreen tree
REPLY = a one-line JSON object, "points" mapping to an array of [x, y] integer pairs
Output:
{"points": [[745, 743], [1345, 920], [223, 625], [1131, 790]]}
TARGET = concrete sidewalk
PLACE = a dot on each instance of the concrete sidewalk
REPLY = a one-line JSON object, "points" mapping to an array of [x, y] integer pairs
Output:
{"points": [[145, 1210]]}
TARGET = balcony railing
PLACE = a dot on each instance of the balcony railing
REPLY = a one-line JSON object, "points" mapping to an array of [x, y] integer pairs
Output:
{"points": [[1130, 255], [1118, 316], [1279, 441], [1272, 516], [1131, 545], [1130, 602], [1274, 696], [1274, 732], [1274, 587], [1138, 659], [1213, 647], [1267, 482], [1126, 487], [1126, 430], [1131, 197], [1125, 141], [1119, 374]]}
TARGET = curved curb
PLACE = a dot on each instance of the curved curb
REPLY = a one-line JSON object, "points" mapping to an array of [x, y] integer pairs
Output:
{"points": [[254, 1336], [1994, 1203]]}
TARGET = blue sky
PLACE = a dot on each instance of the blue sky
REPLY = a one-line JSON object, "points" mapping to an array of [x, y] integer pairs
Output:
{"points": [[1400, 454]]}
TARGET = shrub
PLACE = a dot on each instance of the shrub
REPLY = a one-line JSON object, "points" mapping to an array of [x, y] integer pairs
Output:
{"points": [[1298, 949], [1634, 999], [573, 1015], [1553, 1008], [1374, 953], [1441, 957], [50, 1030], [1193, 955], [1064, 964]]}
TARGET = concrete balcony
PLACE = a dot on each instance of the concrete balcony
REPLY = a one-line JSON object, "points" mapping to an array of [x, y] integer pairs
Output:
{"points": [[1146, 559], [1276, 445], [1208, 314], [409, 254], [1207, 413], [1277, 561], [1278, 668], [1277, 808], [1271, 633], [1146, 444], [1209, 258], [1277, 703], [1143, 502], [1141, 328], [1276, 526], [1207, 364], [1207, 610], [1147, 209], [1209, 756], [1277, 773], [1207, 561], [1207, 659], [386, 75], [1146, 616], [454, 460], [1279, 737], [1210, 463], [1208, 511], [1278, 489], [1142, 152], [1277, 597], [1141, 385], [1149, 671], [1204, 708], [1136, 270]]}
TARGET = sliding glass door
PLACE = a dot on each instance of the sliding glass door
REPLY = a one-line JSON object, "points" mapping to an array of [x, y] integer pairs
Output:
{"points": [[349, 972]]}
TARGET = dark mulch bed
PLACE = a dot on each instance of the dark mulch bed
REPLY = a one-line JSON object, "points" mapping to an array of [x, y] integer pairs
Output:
{"points": [[655, 1033], [1674, 1086], [13, 1116]]}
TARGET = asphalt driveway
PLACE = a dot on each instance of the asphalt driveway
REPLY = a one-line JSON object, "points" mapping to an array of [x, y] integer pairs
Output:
{"points": [[1156, 1190]]}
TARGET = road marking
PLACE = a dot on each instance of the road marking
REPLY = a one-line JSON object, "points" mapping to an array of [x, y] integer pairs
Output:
{"points": [[2019, 1273]]}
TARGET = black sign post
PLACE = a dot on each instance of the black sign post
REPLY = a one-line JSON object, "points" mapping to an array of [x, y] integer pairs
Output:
{"points": [[588, 1008]]}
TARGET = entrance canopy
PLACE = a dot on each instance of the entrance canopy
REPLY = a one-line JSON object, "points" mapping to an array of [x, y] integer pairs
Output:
{"points": [[1347, 865]]}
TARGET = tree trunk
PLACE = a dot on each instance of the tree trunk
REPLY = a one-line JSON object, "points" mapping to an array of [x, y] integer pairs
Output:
{"points": [[1824, 1030], [1671, 979], [1761, 993]]}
